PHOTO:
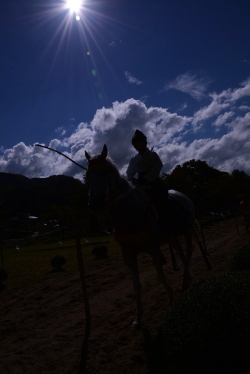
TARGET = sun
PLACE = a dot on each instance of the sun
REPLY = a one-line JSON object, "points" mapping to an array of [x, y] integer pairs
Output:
{"points": [[74, 6]]}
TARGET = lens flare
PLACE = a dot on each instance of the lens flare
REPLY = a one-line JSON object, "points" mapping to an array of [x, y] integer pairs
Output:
{"points": [[86, 34]]}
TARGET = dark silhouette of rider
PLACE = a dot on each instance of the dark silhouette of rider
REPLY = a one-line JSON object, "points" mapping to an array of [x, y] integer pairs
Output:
{"points": [[146, 164]]}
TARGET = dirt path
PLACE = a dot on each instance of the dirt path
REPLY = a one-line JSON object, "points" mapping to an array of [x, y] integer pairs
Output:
{"points": [[42, 327]]}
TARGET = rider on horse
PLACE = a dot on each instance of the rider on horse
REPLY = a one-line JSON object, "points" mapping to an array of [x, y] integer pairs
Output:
{"points": [[147, 165]]}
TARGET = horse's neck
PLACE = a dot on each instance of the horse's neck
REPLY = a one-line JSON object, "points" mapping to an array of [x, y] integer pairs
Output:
{"points": [[130, 210], [129, 207], [120, 186]]}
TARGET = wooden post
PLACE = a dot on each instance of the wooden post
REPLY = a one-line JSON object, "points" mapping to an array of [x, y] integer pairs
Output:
{"points": [[84, 350], [82, 277]]}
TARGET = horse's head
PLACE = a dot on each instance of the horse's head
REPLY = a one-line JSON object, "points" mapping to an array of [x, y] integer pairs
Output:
{"points": [[98, 178]]}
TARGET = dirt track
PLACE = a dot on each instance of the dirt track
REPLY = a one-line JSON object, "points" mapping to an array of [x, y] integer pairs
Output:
{"points": [[42, 327]]}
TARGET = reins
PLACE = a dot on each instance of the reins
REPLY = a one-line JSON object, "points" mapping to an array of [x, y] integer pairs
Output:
{"points": [[102, 165], [115, 198]]}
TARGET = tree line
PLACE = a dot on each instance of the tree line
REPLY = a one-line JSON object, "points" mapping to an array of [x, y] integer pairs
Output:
{"points": [[65, 198], [210, 189]]}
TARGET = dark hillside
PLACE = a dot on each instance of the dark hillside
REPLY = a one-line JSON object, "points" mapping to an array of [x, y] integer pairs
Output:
{"points": [[21, 196]]}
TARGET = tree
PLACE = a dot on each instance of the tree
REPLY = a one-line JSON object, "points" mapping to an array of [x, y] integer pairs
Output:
{"points": [[210, 189]]}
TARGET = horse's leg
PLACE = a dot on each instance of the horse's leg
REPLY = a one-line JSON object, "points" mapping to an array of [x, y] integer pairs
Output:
{"points": [[174, 243], [189, 251], [130, 259], [156, 255], [175, 265], [173, 240], [137, 290], [202, 249]]}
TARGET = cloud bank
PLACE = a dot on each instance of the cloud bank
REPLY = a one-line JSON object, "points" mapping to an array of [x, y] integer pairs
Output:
{"points": [[218, 133]]}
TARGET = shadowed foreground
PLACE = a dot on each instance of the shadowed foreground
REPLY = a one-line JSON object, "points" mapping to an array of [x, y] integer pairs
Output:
{"points": [[42, 327]]}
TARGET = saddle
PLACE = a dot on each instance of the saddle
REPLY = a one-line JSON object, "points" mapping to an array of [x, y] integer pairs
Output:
{"points": [[172, 216]]}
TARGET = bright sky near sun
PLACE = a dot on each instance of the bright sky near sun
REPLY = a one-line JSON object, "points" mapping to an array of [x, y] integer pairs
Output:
{"points": [[74, 6], [78, 74]]}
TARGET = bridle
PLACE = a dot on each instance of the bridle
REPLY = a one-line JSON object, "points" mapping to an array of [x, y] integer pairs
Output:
{"points": [[102, 165]]}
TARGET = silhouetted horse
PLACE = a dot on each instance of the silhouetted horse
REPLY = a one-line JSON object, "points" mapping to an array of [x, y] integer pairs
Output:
{"points": [[136, 227]]}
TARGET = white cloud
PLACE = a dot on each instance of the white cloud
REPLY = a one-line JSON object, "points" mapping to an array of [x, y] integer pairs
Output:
{"points": [[132, 79], [244, 107], [222, 119], [195, 86], [22, 159], [231, 151], [182, 107], [241, 92], [209, 111], [168, 132], [60, 131], [231, 96], [222, 101]]}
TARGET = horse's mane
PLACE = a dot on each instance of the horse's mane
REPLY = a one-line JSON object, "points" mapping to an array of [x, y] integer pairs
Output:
{"points": [[118, 180]]}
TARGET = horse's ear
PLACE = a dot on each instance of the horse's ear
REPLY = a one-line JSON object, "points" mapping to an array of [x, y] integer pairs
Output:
{"points": [[104, 151], [88, 157]]}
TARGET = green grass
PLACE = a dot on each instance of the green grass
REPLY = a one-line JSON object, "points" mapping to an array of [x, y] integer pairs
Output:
{"points": [[32, 263]]}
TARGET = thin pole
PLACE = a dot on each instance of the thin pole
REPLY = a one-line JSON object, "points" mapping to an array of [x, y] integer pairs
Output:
{"points": [[84, 350], [62, 154], [82, 277]]}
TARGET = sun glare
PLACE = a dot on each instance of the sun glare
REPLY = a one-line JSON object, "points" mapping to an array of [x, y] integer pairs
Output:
{"points": [[74, 5], [86, 32]]}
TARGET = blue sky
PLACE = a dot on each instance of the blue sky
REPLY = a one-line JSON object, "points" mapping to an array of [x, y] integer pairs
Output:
{"points": [[177, 70]]}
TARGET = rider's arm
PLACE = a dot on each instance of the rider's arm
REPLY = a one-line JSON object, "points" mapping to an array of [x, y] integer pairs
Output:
{"points": [[132, 168], [155, 169]]}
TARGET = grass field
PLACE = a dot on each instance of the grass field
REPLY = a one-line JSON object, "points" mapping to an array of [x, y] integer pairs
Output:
{"points": [[31, 263]]}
